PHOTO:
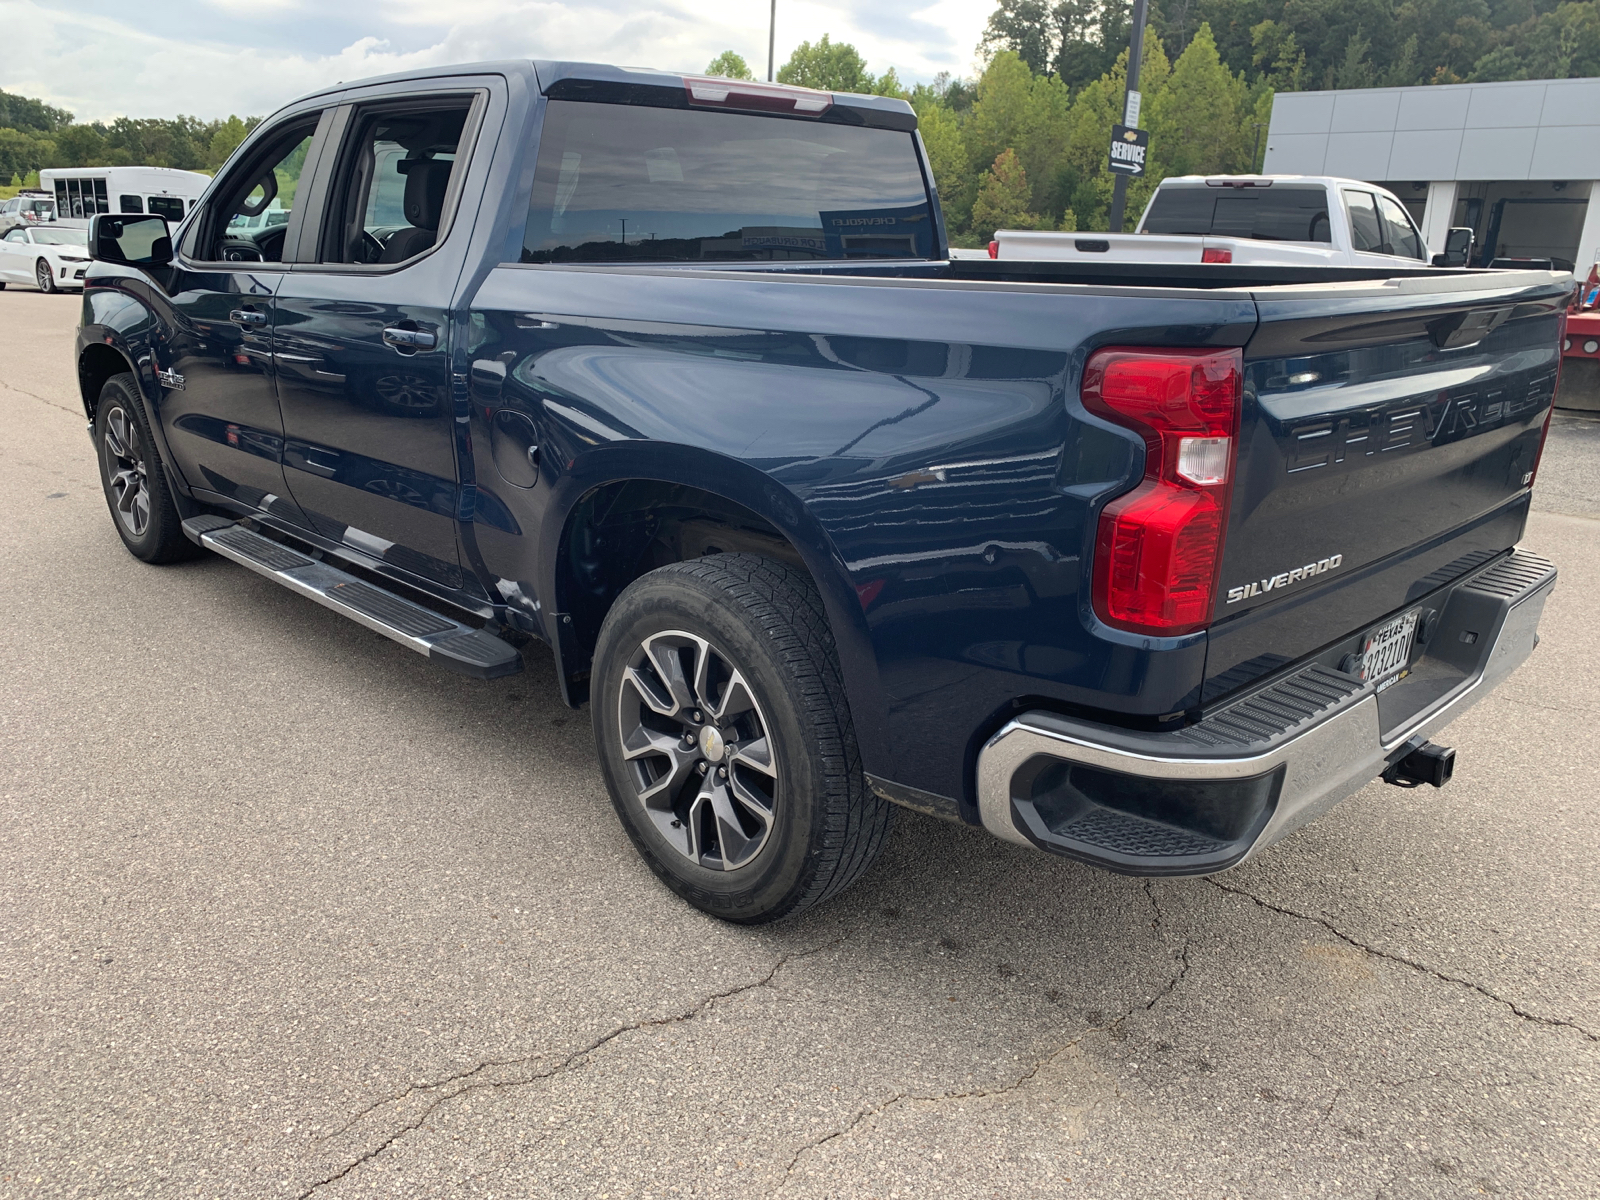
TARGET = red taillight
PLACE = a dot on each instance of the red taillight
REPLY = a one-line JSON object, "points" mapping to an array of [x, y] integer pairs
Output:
{"points": [[714, 92], [1158, 547], [1216, 255], [994, 249]]}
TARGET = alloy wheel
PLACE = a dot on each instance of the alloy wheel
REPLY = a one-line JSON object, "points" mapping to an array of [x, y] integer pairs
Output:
{"points": [[699, 750], [41, 274], [125, 471]]}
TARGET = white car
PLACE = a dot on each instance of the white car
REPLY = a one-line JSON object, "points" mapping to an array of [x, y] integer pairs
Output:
{"points": [[51, 257]]}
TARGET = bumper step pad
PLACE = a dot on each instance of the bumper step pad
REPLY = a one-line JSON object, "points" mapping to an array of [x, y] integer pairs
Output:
{"points": [[451, 644]]}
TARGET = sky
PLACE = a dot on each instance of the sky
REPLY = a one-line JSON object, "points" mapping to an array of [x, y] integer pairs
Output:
{"points": [[101, 59]]}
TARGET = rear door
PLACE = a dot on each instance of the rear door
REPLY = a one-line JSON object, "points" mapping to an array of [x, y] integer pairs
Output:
{"points": [[362, 335], [1381, 233], [1389, 440]]}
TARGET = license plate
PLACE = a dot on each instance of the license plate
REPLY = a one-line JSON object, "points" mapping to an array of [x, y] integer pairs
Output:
{"points": [[1387, 649]]}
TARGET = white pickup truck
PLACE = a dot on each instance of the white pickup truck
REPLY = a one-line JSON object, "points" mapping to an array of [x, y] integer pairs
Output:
{"points": [[1251, 220]]}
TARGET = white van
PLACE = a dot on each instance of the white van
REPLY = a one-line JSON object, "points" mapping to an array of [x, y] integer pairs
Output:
{"points": [[81, 192]]}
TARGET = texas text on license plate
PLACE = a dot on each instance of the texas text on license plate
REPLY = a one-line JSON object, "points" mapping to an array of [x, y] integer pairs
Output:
{"points": [[1387, 649]]}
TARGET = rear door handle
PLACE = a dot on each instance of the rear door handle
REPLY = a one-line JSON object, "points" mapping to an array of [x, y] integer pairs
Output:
{"points": [[409, 339], [247, 316]]}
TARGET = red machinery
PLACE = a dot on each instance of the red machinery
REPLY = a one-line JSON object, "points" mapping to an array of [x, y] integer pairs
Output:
{"points": [[1580, 350]]}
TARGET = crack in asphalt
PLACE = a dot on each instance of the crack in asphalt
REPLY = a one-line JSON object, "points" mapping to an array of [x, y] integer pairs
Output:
{"points": [[1027, 1076], [1535, 1018], [567, 1063], [11, 387]]}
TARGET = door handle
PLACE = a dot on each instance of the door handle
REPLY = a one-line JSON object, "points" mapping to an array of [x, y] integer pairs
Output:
{"points": [[409, 339], [247, 316]]}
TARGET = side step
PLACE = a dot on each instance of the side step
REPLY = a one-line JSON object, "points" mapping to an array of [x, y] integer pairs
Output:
{"points": [[449, 643]]}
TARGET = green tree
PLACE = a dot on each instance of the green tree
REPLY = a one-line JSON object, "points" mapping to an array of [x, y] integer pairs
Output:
{"points": [[1196, 116], [1096, 108], [888, 84], [829, 66], [31, 116], [229, 134], [1025, 28], [1089, 36], [947, 155], [22, 152], [1003, 199], [1355, 71], [1030, 114], [1279, 61], [729, 65]]}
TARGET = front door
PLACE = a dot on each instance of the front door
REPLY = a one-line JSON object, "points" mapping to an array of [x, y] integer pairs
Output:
{"points": [[219, 404], [362, 341]]}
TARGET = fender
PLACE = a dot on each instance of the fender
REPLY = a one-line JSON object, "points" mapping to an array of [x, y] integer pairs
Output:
{"points": [[744, 485], [119, 313]]}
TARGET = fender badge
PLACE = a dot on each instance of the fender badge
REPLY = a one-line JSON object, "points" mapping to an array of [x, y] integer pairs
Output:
{"points": [[170, 379]]}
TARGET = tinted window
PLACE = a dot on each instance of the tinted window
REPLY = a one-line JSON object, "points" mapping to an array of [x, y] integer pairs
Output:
{"points": [[1365, 232], [393, 186], [1279, 214], [170, 207], [616, 183], [131, 204], [1397, 229]]}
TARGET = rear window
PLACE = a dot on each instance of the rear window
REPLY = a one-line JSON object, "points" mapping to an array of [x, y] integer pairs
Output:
{"points": [[1274, 214], [620, 183]]}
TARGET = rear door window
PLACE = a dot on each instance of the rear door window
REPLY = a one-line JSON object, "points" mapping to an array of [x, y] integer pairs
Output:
{"points": [[1275, 214], [623, 183], [1398, 233], [1366, 233]]}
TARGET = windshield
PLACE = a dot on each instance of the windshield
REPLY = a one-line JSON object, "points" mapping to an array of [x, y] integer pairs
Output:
{"points": [[617, 183], [1275, 214], [61, 237]]}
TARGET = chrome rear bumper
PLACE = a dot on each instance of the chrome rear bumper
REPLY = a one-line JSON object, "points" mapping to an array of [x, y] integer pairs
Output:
{"points": [[1201, 799]]}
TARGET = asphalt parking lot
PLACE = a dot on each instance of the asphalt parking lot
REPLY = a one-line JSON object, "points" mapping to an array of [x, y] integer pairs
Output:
{"points": [[285, 911]]}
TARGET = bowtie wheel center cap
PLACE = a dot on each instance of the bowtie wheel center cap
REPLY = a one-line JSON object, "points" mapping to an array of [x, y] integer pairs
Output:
{"points": [[711, 743]]}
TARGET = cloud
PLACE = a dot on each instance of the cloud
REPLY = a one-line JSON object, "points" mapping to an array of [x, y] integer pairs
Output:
{"points": [[251, 56]]}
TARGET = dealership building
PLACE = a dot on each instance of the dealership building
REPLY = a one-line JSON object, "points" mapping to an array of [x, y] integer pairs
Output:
{"points": [[1519, 162]]}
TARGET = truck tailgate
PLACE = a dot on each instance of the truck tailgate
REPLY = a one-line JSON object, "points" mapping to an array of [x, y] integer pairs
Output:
{"points": [[1387, 445]]}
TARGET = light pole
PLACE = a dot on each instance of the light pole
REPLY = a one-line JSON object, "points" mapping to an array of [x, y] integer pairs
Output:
{"points": [[1119, 187], [772, 40]]}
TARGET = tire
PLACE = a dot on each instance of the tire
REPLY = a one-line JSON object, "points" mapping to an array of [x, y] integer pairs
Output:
{"points": [[792, 821], [45, 278], [133, 478], [2, 285]]}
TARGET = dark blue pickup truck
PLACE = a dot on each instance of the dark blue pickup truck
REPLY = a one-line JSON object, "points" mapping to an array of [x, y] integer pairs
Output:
{"points": [[1141, 566]]}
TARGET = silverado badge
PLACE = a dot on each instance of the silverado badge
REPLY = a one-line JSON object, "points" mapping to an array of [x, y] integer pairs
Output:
{"points": [[1283, 579]]}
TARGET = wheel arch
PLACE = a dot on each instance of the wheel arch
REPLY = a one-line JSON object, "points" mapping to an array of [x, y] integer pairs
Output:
{"points": [[613, 523], [98, 362]]}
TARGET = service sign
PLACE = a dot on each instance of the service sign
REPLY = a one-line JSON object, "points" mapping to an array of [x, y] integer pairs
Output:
{"points": [[1129, 148]]}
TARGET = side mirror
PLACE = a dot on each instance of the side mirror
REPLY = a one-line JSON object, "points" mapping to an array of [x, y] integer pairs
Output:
{"points": [[135, 241], [1457, 248]]}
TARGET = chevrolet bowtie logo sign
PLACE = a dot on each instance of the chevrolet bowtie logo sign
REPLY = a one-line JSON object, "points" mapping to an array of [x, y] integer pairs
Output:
{"points": [[1129, 149]]}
